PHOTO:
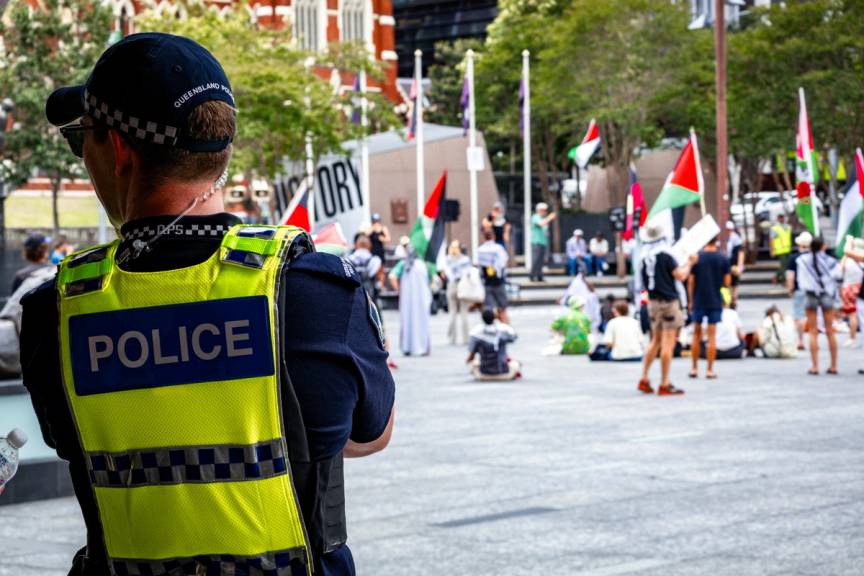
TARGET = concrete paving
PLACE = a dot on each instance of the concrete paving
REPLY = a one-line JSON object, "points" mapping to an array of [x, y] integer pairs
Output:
{"points": [[571, 471]]}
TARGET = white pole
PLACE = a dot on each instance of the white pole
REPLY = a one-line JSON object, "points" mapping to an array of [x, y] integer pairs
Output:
{"points": [[418, 129], [310, 182], [103, 226], [364, 152], [526, 151], [472, 168]]}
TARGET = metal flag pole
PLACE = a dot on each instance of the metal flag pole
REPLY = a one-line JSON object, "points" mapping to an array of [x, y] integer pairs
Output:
{"points": [[526, 152], [310, 158], [472, 161], [418, 129], [364, 151]]}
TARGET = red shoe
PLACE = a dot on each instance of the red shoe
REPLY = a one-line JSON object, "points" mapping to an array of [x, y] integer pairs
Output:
{"points": [[669, 390], [645, 386]]}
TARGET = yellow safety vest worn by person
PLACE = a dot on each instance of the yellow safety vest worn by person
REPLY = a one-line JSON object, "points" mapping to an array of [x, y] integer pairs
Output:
{"points": [[781, 239], [173, 383]]}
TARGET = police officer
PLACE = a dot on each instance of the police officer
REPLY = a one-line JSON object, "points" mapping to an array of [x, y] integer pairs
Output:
{"points": [[780, 245], [207, 378]]}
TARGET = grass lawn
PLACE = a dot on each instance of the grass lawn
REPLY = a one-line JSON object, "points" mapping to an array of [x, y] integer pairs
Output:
{"points": [[35, 211]]}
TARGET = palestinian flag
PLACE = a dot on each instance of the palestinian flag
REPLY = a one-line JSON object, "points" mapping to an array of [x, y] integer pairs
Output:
{"points": [[331, 240], [297, 213], [850, 215], [685, 184], [427, 236], [637, 211], [805, 169], [582, 153]]}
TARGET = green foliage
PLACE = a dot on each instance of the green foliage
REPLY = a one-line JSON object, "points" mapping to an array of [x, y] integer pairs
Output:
{"points": [[279, 96], [45, 48], [446, 77]]}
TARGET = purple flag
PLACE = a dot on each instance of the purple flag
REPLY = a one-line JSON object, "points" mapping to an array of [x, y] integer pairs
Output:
{"points": [[465, 101], [355, 102], [412, 121], [522, 107]]}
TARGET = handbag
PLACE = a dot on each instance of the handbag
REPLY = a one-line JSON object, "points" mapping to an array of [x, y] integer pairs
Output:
{"points": [[470, 287]]}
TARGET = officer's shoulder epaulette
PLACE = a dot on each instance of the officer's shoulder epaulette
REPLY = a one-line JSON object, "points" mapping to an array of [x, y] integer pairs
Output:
{"points": [[327, 265]]}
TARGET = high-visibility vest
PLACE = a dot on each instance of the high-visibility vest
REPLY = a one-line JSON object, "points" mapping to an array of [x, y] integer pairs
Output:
{"points": [[782, 240], [172, 379]]}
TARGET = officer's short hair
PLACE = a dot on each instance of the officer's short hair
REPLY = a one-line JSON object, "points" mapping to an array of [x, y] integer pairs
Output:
{"points": [[211, 120]]}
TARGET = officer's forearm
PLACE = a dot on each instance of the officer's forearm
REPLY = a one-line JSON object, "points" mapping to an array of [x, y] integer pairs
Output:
{"points": [[359, 450]]}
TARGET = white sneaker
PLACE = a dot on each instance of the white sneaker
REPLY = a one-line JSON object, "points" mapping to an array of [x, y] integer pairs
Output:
{"points": [[852, 344]]}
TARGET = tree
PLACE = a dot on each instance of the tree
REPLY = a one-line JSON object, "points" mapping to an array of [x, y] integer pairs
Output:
{"points": [[446, 76], [54, 44], [279, 96]]}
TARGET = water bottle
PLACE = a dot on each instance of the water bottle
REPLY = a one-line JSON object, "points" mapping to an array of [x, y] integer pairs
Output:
{"points": [[9, 455]]}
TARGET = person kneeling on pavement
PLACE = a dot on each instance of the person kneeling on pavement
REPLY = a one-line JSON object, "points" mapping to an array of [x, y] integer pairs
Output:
{"points": [[489, 340], [622, 340], [777, 336], [574, 327]]}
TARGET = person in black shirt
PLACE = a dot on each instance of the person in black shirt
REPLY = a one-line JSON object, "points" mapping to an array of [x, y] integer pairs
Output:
{"points": [[660, 270], [710, 273]]}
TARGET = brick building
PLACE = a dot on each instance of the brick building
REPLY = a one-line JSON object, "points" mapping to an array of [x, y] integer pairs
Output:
{"points": [[314, 25]]}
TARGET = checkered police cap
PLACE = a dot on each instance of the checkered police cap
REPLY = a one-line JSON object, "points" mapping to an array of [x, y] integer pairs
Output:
{"points": [[145, 86]]}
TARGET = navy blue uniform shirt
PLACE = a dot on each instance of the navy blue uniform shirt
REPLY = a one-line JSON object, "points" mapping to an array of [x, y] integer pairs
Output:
{"points": [[332, 349], [708, 274]]}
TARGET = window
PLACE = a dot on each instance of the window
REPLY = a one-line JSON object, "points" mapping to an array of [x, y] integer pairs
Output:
{"points": [[308, 18], [354, 21]]}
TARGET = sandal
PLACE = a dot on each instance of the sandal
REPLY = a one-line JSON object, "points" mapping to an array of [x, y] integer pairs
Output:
{"points": [[693, 374], [832, 372], [711, 376], [813, 372]]}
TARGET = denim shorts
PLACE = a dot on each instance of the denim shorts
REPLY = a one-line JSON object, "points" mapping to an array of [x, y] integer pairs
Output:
{"points": [[814, 301], [798, 299], [712, 314]]}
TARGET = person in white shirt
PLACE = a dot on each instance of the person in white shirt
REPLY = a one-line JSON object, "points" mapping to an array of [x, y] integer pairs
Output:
{"points": [[730, 335], [820, 291], [849, 274], [492, 260], [623, 339], [599, 248], [777, 336], [455, 266], [577, 254]]}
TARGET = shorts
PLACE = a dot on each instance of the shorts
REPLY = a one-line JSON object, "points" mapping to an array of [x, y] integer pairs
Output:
{"points": [[496, 297], [712, 314], [813, 301], [849, 297], [665, 315], [798, 299]]}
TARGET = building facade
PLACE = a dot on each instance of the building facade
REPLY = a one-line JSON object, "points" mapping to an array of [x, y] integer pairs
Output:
{"points": [[314, 25]]}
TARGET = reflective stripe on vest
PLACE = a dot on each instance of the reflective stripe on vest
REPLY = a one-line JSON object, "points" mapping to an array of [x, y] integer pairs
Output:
{"points": [[782, 241], [173, 383]]}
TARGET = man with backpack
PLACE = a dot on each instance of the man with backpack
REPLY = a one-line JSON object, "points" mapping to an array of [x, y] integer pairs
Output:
{"points": [[492, 259]]}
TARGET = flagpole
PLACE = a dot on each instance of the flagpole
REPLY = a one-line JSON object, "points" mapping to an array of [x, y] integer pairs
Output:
{"points": [[364, 151], [699, 175], [472, 144], [807, 149], [310, 161], [526, 152], [418, 128]]}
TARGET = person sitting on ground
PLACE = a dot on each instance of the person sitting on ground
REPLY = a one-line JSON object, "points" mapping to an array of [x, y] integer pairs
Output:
{"points": [[489, 340], [580, 286], [622, 340], [575, 327], [730, 332], [777, 335], [36, 254], [607, 311]]}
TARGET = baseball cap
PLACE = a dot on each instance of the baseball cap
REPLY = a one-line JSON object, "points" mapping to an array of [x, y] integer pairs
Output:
{"points": [[804, 239], [145, 86], [36, 241], [376, 217]]}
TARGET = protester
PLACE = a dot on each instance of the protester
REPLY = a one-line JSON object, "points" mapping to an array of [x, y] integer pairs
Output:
{"points": [[540, 240], [735, 252], [36, 255], [859, 258], [607, 311], [367, 264], [777, 335], [574, 327], [599, 248], [780, 245], [577, 254], [498, 223], [490, 340], [581, 287], [802, 243], [379, 236], [660, 270], [455, 266], [411, 278], [62, 248], [849, 273], [622, 339], [710, 274], [492, 260], [730, 337], [815, 279]]}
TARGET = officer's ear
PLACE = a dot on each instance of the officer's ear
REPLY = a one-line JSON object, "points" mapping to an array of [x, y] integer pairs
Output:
{"points": [[123, 153]]}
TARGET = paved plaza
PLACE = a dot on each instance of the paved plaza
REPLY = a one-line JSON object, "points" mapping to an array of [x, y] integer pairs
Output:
{"points": [[571, 471]]}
